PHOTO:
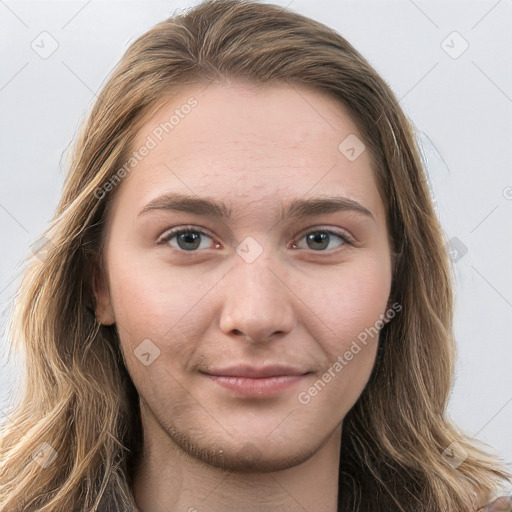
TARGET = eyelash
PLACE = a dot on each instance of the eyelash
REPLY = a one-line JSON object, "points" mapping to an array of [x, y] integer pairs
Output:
{"points": [[188, 229]]}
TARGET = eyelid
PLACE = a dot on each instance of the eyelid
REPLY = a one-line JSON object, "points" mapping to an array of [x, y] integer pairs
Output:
{"points": [[169, 233], [342, 233]]}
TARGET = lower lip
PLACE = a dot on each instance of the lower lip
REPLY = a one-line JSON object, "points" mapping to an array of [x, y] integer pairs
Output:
{"points": [[257, 388]]}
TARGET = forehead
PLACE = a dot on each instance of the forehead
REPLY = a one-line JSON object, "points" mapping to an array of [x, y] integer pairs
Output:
{"points": [[253, 144]]}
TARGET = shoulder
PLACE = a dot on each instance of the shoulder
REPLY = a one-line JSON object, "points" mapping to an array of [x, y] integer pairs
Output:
{"points": [[501, 504]]}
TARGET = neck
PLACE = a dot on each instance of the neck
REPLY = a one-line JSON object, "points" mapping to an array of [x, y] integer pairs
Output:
{"points": [[169, 480]]}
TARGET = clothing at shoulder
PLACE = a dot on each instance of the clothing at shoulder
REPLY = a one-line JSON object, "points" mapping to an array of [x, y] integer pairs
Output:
{"points": [[501, 504]]}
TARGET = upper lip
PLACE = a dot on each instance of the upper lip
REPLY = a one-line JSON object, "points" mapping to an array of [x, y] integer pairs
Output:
{"points": [[256, 372]]}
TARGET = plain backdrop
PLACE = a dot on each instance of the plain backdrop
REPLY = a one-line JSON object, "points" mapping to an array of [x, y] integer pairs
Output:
{"points": [[449, 63]]}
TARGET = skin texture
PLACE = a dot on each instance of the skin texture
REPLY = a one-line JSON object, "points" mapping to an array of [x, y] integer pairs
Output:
{"points": [[255, 148]]}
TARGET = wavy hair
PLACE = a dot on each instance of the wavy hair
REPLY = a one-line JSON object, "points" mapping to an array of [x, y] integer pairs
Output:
{"points": [[78, 402]]}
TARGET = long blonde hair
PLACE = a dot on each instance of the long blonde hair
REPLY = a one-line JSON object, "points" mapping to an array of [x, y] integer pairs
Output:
{"points": [[78, 397]]}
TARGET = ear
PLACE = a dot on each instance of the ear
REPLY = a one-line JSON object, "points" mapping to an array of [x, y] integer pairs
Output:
{"points": [[102, 307]]}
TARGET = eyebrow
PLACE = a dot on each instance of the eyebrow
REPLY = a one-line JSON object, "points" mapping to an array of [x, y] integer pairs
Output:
{"points": [[297, 209]]}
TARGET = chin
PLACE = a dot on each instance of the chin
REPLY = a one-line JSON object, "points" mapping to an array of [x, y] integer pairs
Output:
{"points": [[245, 456]]}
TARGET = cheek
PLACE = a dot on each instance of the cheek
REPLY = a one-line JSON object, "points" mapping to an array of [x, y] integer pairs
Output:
{"points": [[349, 300], [351, 304], [153, 305], [152, 300]]}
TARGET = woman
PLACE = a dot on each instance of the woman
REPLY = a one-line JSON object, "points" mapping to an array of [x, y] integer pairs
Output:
{"points": [[244, 300]]}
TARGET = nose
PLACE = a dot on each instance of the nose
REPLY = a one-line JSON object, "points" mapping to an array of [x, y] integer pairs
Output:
{"points": [[257, 301]]}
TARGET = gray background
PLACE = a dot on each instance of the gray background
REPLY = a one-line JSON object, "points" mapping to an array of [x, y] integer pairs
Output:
{"points": [[460, 103]]}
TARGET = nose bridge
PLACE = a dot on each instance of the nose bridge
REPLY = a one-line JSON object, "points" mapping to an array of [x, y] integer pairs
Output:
{"points": [[256, 303]]}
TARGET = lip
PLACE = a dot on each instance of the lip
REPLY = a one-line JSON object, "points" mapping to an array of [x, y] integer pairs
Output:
{"points": [[256, 372], [257, 382]]}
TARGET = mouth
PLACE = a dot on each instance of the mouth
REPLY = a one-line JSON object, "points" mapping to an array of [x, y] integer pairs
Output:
{"points": [[257, 382]]}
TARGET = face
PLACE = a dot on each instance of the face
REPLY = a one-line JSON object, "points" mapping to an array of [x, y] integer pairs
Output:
{"points": [[241, 323]]}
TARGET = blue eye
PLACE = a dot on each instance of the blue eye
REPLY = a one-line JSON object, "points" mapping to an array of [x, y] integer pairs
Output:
{"points": [[321, 239]]}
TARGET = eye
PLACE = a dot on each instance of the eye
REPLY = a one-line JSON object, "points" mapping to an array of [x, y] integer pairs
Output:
{"points": [[321, 239], [190, 239], [187, 239]]}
